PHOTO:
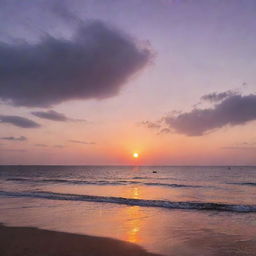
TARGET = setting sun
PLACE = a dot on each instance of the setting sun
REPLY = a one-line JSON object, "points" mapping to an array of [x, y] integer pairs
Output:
{"points": [[135, 155]]}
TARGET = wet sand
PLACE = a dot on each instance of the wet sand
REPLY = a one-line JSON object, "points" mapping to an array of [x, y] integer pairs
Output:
{"points": [[26, 241]]}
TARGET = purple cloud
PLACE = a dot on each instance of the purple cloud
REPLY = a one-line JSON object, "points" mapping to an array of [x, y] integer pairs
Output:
{"points": [[11, 138], [82, 142], [217, 97], [93, 64], [51, 115], [233, 110], [18, 121]]}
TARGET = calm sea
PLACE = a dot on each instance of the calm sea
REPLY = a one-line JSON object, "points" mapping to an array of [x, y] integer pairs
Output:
{"points": [[170, 210]]}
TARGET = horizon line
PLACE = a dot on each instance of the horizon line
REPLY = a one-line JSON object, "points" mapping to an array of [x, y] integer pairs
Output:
{"points": [[122, 165]]}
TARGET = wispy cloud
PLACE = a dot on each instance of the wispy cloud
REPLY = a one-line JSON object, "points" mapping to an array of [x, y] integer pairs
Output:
{"points": [[164, 131], [238, 148], [245, 145], [59, 146], [151, 125], [40, 145], [217, 97], [18, 121], [11, 138], [82, 142], [12, 150], [55, 116], [51, 115]]}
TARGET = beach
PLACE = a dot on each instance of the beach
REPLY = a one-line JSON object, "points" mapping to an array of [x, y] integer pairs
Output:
{"points": [[27, 241]]}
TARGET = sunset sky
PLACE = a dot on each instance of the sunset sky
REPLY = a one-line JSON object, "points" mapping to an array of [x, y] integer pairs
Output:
{"points": [[94, 81]]}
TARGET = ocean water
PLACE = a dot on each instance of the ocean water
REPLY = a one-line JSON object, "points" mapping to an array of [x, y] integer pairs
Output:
{"points": [[169, 210]]}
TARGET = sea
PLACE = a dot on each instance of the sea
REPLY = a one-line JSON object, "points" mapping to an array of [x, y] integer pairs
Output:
{"points": [[171, 210]]}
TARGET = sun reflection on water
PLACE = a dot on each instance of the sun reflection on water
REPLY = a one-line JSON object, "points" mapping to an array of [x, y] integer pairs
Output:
{"points": [[136, 193], [133, 222]]}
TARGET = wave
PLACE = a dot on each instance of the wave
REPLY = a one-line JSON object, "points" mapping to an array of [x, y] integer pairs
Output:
{"points": [[244, 183], [104, 182], [150, 178], [82, 182], [171, 185], [207, 206]]}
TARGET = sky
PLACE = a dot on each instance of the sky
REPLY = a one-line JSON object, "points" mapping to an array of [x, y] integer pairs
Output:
{"points": [[87, 82]]}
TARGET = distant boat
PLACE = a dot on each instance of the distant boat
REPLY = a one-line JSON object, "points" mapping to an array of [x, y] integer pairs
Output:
{"points": [[154, 172]]}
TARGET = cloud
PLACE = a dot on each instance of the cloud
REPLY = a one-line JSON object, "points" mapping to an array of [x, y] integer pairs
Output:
{"points": [[51, 115], [93, 64], [82, 142], [238, 148], [164, 131], [13, 150], [55, 116], [151, 125], [58, 146], [245, 143], [233, 110], [18, 121], [41, 145], [217, 97], [156, 125], [21, 138]]}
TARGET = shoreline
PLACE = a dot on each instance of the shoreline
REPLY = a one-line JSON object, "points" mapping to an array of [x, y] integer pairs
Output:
{"points": [[30, 241]]}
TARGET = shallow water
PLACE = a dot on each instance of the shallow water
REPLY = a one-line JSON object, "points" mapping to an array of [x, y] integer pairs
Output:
{"points": [[176, 211]]}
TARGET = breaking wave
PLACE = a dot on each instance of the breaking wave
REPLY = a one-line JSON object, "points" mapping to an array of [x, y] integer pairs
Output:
{"points": [[135, 202], [244, 183], [104, 182]]}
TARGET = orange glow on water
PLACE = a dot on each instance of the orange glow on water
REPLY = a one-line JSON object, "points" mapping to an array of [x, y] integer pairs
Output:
{"points": [[134, 215], [135, 193]]}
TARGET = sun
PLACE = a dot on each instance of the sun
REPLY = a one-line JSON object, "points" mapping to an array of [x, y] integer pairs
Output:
{"points": [[135, 155]]}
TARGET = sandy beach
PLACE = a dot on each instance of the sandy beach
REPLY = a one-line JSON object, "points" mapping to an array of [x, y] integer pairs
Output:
{"points": [[27, 241]]}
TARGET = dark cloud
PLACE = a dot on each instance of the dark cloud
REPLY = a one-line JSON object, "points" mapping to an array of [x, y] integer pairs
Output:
{"points": [[11, 138], [217, 97], [55, 116], [82, 142], [51, 115], [18, 121], [233, 110], [93, 64]]}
